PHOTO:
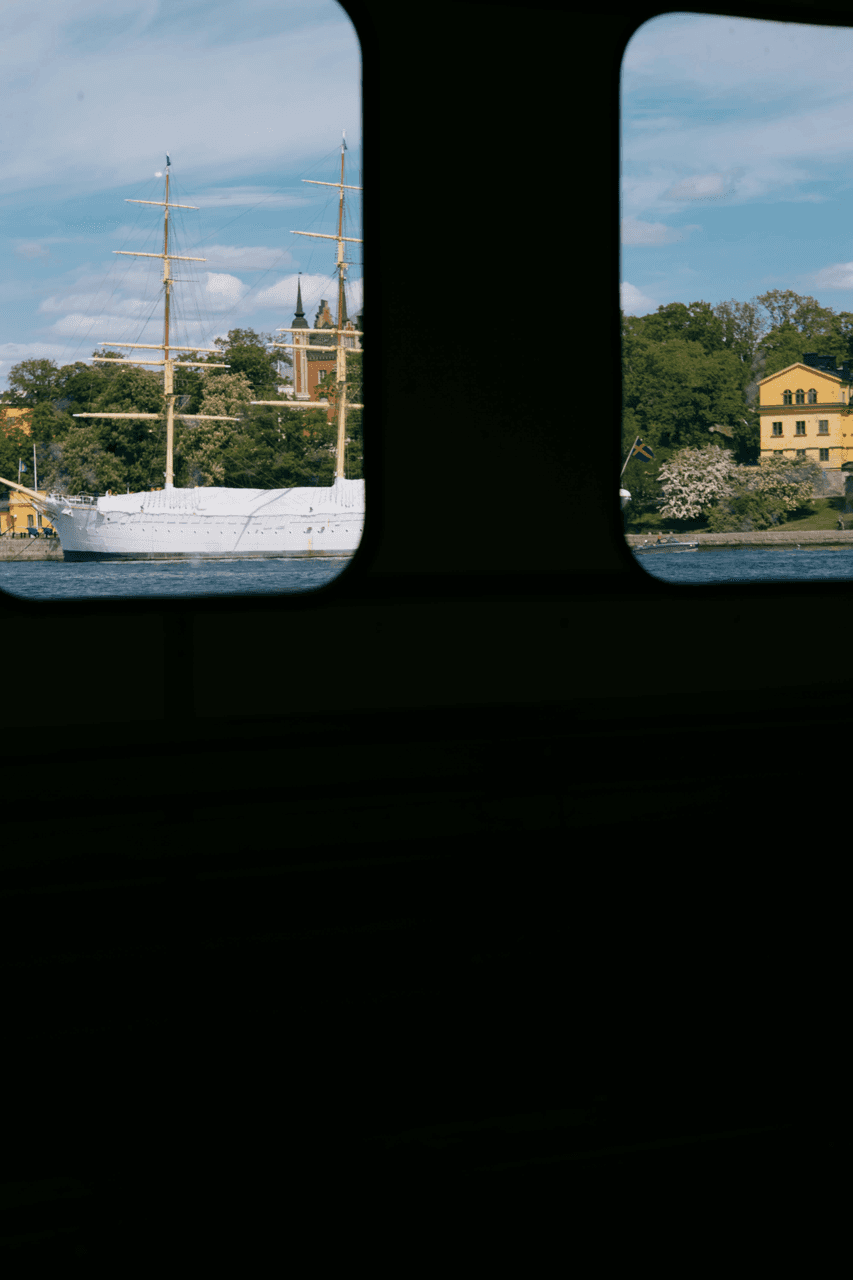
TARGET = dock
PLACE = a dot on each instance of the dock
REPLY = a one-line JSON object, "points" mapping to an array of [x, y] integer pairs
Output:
{"points": [[30, 549]]}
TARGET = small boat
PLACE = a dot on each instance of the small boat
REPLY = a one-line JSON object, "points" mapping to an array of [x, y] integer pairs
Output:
{"points": [[667, 544]]}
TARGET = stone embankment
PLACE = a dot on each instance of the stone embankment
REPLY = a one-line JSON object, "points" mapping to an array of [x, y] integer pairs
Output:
{"points": [[30, 549], [762, 538]]}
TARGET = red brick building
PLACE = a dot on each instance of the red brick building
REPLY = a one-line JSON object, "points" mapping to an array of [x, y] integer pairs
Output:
{"points": [[313, 362]]}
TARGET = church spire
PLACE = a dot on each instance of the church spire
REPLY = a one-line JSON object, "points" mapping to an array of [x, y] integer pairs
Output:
{"points": [[299, 321]]}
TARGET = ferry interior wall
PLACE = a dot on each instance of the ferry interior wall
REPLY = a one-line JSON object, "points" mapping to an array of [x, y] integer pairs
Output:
{"points": [[498, 873]]}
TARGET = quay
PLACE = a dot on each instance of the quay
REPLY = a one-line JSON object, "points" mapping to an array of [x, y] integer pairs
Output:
{"points": [[30, 549], [761, 538]]}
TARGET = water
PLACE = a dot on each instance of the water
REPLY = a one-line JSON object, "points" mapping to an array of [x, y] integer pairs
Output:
{"points": [[167, 579], [750, 564]]}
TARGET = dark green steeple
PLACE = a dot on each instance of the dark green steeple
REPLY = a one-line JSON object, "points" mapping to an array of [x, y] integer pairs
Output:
{"points": [[299, 321]]}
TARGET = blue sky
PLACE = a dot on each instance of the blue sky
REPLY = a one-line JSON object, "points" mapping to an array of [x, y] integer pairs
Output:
{"points": [[248, 99], [736, 162]]}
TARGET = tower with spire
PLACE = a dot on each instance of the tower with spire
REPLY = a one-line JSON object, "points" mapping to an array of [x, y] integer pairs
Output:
{"points": [[315, 357]]}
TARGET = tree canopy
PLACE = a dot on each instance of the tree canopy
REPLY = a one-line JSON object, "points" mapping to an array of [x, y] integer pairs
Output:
{"points": [[268, 447]]}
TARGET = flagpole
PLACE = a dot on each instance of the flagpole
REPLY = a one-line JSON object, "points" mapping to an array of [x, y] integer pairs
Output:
{"points": [[628, 459]]}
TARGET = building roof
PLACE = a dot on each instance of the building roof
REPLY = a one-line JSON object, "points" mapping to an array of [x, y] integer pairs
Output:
{"points": [[807, 368]]}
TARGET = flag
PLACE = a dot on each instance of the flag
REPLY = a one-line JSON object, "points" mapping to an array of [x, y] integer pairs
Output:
{"points": [[168, 161], [643, 451], [346, 148]]}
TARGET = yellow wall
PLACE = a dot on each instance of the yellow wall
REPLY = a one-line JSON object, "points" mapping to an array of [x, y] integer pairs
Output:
{"points": [[832, 395], [16, 517], [10, 417]]}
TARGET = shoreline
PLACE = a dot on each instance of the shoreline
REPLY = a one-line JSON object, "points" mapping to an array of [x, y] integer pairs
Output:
{"points": [[761, 538]]}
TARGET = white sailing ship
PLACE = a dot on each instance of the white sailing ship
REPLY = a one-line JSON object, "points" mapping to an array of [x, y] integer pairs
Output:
{"points": [[205, 521]]}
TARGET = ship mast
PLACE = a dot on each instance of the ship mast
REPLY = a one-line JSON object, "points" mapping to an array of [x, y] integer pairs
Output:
{"points": [[168, 363], [340, 346]]}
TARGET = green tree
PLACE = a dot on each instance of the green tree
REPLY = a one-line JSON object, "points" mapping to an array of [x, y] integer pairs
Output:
{"points": [[766, 495], [203, 446], [799, 324], [252, 354], [674, 391], [33, 382], [744, 325], [694, 323], [81, 464], [15, 445]]}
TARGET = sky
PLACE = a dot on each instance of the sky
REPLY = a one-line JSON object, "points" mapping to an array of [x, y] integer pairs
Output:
{"points": [[247, 100], [736, 162]]}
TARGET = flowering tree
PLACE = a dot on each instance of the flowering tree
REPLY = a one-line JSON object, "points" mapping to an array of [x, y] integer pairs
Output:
{"points": [[790, 482], [694, 479]]}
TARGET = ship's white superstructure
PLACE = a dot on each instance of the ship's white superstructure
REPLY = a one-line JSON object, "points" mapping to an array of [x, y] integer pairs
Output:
{"points": [[173, 523]]}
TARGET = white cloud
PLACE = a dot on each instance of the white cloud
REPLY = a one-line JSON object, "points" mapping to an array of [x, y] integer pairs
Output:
{"points": [[242, 197], [635, 303], [222, 291], [635, 232], [30, 250], [194, 83], [838, 276], [246, 257], [706, 186], [751, 98], [281, 296], [14, 352]]}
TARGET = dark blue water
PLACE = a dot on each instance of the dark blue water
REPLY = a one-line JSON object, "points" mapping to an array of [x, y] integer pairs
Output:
{"points": [[169, 579], [750, 564]]}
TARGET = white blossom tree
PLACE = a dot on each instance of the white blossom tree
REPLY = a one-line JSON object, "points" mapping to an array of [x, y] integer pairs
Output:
{"points": [[694, 479], [790, 482]]}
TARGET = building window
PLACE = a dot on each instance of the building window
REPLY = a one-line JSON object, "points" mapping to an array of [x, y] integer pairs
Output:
{"points": [[31, 523], [786, 397], [823, 427], [801, 396], [777, 428], [801, 453], [812, 396], [824, 455], [801, 429]]}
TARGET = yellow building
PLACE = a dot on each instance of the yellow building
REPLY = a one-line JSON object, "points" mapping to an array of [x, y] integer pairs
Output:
{"points": [[18, 516], [12, 417], [801, 412]]}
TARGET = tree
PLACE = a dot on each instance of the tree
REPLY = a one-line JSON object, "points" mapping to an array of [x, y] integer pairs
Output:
{"points": [[800, 324], [33, 382], [247, 352], [693, 479], [744, 326], [81, 464], [15, 444], [694, 323], [203, 445], [673, 391], [766, 495]]}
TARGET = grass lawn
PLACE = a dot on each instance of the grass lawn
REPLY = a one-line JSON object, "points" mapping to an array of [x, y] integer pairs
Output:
{"points": [[821, 514]]}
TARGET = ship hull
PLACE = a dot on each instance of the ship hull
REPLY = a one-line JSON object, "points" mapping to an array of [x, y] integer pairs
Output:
{"points": [[213, 524]]}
